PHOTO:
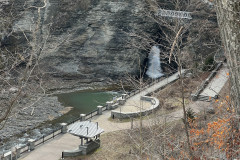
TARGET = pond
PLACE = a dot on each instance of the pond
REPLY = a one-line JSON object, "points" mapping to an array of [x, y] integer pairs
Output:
{"points": [[82, 102]]}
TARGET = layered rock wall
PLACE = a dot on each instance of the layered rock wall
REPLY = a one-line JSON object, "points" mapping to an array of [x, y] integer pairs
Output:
{"points": [[85, 40]]}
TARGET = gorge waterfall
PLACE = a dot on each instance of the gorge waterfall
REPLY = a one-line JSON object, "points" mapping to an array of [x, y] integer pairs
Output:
{"points": [[154, 69]]}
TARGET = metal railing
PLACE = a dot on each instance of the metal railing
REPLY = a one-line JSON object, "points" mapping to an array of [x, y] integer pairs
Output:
{"points": [[37, 142], [90, 115]]}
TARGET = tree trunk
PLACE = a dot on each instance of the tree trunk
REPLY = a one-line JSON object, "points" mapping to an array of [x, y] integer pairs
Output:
{"points": [[228, 14]]}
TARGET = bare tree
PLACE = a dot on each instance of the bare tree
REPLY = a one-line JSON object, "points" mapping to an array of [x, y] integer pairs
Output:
{"points": [[175, 32], [228, 19], [14, 77], [228, 13], [174, 41]]}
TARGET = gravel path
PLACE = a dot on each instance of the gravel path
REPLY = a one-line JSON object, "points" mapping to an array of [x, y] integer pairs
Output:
{"points": [[110, 126]]}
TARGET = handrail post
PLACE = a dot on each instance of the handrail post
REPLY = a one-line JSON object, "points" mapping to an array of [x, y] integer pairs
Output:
{"points": [[62, 156], [7, 155], [109, 105], [99, 111], [31, 143], [63, 128], [18, 149], [83, 117]]}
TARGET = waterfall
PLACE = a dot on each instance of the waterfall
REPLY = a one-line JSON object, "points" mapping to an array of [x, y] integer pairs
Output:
{"points": [[154, 69]]}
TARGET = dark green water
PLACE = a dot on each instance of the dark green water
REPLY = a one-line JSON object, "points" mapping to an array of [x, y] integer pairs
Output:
{"points": [[82, 102]]}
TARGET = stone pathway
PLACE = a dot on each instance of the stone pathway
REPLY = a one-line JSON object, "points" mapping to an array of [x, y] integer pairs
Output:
{"points": [[217, 83], [133, 106], [52, 150], [134, 103], [110, 126], [157, 86]]}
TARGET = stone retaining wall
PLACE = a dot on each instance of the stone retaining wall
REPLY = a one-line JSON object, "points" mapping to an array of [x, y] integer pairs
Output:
{"points": [[122, 115], [82, 150], [90, 147], [71, 153]]}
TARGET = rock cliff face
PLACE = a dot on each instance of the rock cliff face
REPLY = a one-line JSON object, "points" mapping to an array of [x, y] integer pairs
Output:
{"points": [[79, 43], [85, 40]]}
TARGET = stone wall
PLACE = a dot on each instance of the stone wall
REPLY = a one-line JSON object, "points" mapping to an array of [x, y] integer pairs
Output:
{"points": [[123, 115], [71, 153], [90, 147]]}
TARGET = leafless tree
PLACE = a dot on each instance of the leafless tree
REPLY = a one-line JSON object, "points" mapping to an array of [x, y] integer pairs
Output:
{"points": [[20, 67], [228, 14], [228, 19], [175, 40]]}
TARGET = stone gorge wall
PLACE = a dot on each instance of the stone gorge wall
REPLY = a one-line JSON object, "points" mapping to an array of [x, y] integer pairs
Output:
{"points": [[97, 47], [202, 38], [85, 39], [82, 42]]}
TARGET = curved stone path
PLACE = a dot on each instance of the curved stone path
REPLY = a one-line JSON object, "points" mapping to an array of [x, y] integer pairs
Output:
{"points": [[52, 150], [133, 103]]}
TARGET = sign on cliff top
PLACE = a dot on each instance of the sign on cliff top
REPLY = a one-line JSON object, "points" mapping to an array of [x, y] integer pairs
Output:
{"points": [[172, 13]]}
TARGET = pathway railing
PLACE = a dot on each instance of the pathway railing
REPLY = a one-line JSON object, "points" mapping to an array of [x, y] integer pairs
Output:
{"points": [[27, 148], [37, 142]]}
